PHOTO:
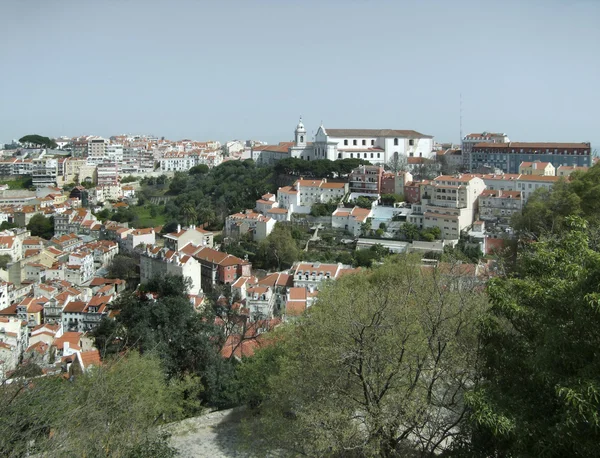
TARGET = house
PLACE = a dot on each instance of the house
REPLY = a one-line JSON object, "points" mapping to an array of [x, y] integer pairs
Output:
{"points": [[538, 168], [80, 267], [260, 301], [45, 333], [258, 225], [155, 261], [300, 197], [10, 245], [394, 183], [140, 237], [265, 203], [68, 343], [350, 220], [528, 184], [103, 252], [312, 275], [218, 267], [83, 316], [14, 339], [66, 242], [567, 170], [71, 221], [194, 235], [30, 310], [499, 206]]}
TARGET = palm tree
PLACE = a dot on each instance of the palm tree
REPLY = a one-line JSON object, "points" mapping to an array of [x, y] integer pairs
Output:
{"points": [[189, 213]]}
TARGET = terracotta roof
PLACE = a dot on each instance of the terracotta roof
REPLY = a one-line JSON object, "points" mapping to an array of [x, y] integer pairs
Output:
{"points": [[90, 358], [10, 310], [73, 338], [375, 133], [75, 307]]}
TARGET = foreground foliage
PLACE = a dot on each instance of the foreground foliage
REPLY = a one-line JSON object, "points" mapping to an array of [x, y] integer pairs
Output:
{"points": [[378, 367], [110, 411], [542, 397]]}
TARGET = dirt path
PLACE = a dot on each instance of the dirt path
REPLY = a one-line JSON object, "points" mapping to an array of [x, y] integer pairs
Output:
{"points": [[212, 435]]}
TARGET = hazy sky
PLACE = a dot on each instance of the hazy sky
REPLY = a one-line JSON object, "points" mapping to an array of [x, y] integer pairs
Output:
{"points": [[248, 68]]}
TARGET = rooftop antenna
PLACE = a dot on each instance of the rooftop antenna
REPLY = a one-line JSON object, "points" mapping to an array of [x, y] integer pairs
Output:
{"points": [[460, 117]]}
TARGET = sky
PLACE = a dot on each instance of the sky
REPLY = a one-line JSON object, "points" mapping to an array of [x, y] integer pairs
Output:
{"points": [[247, 69]]}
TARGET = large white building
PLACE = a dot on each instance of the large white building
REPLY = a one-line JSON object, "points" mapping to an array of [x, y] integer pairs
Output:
{"points": [[448, 203], [374, 145]]}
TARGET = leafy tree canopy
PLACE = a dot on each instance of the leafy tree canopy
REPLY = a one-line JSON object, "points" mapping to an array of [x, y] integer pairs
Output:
{"points": [[541, 353], [110, 411], [377, 367], [39, 140], [41, 226]]}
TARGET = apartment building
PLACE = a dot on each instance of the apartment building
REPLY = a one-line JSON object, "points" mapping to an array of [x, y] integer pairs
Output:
{"points": [[366, 179], [470, 140], [509, 156], [448, 203]]}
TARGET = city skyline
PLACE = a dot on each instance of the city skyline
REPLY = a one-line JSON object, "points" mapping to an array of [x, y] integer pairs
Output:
{"points": [[211, 71]]}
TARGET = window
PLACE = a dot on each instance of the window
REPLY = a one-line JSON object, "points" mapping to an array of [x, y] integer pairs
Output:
{"points": [[395, 142], [339, 155], [301, 138], [378, 155], [346, 142], [354, 142], [372, 142], [371, 155], [364, 142], [411, 142], [351, 155]]}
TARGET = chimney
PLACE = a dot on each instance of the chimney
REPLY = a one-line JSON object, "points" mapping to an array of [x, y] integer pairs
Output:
{"points": [[179, 228], [65, 347]]}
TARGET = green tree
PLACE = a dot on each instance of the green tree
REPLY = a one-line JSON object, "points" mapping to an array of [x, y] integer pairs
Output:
{"points": [[377, 367], [40, 226], [124, 267], [159, 318], [409, 231], [541, 345], [364, 202], [5, 259], [111, 411], [200, 169], [189, 213], [39, 141], [279, 250]]}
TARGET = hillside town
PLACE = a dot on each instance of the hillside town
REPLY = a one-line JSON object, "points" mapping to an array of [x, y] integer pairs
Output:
{"points": [[406, 194]]}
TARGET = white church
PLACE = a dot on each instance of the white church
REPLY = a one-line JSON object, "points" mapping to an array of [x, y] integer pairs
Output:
{"points": [[374, 145]]}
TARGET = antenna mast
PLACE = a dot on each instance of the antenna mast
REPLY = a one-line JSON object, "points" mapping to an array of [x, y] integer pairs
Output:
{"points": [[460, 116]]}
